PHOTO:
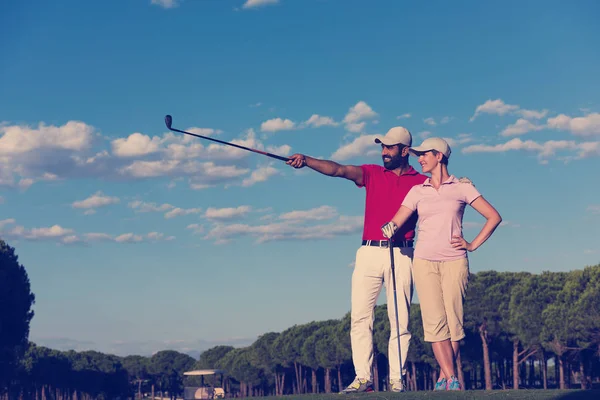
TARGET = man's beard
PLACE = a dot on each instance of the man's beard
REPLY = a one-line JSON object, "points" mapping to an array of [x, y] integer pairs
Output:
{"points": [[393, 162]]}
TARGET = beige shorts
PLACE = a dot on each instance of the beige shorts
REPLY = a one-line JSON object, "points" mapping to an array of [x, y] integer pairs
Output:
{"points": [[441, 287]]}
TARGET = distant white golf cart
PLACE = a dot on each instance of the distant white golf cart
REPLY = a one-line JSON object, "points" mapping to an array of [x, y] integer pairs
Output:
{"points": [[205, 391]]}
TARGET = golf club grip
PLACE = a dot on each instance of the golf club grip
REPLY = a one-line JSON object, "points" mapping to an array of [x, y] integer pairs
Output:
{"points": [[234, 145]]}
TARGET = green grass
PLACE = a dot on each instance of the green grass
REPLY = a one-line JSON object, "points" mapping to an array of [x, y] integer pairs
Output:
{"points": [[536, 394]]}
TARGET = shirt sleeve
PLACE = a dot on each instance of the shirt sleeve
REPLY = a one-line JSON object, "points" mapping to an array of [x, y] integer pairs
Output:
{"points": [[469, 192], [366, 171], [412, 198]]}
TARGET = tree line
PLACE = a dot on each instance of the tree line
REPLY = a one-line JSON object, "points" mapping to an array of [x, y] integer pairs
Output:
{"points": [[524, 330]]}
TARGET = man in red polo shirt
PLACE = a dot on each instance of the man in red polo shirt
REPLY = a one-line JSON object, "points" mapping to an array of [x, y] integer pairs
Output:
{"points": [[386, 188]]}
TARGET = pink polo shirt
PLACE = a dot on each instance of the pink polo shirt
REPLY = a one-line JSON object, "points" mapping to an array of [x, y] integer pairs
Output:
{"points": [[385, 192], [440, 217]]}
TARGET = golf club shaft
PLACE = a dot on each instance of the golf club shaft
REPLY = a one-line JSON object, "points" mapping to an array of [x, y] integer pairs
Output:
{"points": [[396, 307], [168, 121]]}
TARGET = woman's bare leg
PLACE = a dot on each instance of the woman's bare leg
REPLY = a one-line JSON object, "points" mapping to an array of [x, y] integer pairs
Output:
{"points": [[445, 354]]}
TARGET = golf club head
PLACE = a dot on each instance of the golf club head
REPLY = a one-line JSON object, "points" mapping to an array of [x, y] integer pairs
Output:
{"points": [[168, 121]]}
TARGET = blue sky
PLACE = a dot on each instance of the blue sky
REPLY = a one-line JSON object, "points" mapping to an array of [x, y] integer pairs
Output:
{"points": [[136, 239]]}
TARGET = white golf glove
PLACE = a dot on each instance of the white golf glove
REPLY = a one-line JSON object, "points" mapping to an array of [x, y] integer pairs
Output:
{"points": [[389, 229]]}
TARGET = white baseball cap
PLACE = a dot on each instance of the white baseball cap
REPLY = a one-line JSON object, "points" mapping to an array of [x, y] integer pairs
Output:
{"points": [[396, 135], [433, 143]]}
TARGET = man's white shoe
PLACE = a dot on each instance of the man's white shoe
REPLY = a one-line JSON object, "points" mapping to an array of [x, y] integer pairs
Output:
{"points": [[396, 385]]}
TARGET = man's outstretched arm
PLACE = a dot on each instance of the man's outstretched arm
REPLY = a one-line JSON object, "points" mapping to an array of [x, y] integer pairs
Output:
{"points": [[327, 167]]}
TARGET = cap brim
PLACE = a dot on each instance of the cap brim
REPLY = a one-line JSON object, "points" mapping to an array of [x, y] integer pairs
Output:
{"points": [[382, 140], [418, 150]]}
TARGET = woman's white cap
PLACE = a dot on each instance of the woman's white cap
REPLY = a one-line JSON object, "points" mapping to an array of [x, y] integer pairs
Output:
{"points": [[433, 143]]}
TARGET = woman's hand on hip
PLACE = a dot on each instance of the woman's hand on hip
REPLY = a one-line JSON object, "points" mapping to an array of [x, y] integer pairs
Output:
{"points": [[458, 242]]}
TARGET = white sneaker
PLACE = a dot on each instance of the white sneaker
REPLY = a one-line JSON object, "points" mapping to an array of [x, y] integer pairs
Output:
{"points": [[359, 385], [396, 385]]}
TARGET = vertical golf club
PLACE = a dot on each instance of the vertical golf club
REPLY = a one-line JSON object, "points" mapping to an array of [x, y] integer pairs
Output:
{"points": [[396, 307], [169, 122]]}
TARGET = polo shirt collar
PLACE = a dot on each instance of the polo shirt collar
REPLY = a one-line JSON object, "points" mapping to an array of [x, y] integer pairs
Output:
{"points": [[451, 179], [409, 171]]}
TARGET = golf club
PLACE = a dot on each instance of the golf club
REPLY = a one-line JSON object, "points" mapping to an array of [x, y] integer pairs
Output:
{"points": [[169, 122], [396, 306]]}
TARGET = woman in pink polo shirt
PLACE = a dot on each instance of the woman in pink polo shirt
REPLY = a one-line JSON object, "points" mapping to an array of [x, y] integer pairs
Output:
{"points": [[441, 264]]}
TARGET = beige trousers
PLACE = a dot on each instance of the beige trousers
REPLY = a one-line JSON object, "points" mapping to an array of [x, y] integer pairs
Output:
{"points": [[372, 271], [442, 286]]}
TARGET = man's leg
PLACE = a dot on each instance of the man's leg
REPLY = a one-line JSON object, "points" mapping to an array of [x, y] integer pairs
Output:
{"points": [[404, 292], [366, 286]]}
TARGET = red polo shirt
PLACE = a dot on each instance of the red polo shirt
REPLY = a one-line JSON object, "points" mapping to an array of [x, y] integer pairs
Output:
{"points": [[385, 193]]}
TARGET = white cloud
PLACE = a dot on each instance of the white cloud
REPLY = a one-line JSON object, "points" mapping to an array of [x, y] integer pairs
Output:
{"points": [[177, 212], [128, 238], [141, 206], [356, 115], [520, 127], [227, 213], [166, 3], [358, 112], [44, 233], [136, 144], [407, 115], [259, 3], [19, 139], [282, 150], [51, 153], [62, 235], [461, 138], [315, 214], [277, 124], [588, 125], [499, 107], [96, 200], [25, 183], [343, 225], [95, 236], [358, 147], [533, 114], [201, 174], [8, 221], [544, 150], [356, 127], [170, 210], [124, 238], [156, 236], [203, 131], [196, 228], [260, 175], [317, 120], [430, 121], [594, 209], [178, 147]]}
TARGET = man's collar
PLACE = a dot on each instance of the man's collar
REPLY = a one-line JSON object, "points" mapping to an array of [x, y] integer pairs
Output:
{"points": [[451, 179], [409, 171]]}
